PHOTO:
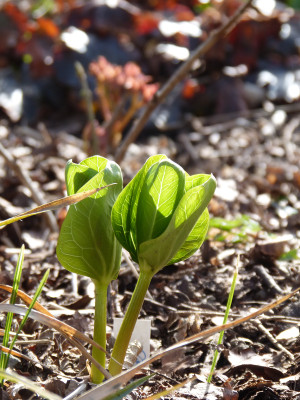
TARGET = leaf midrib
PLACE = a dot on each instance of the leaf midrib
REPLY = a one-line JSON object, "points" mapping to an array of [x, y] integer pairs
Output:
{"points": [[157, 204]]}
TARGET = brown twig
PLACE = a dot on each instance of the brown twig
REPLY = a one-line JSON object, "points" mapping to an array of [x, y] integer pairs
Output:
{"points": [[267, 279], [272, 339], [182, 71]]}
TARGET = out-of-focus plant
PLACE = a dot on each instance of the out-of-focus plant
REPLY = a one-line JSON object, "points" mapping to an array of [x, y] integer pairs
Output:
{"points": [[122, 91], [236, 230], [161, 218]]}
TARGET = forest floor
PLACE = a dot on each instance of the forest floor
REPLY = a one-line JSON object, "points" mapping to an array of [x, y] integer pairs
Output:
{"points": [[255, 225], [258, 199]]}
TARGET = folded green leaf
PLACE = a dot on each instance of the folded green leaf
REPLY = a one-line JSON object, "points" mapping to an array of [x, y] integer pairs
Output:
{"points": [[180, 236], [161, 216], [86, 242], [194, 240], [162, 189], [125, 209], [198, 234]]}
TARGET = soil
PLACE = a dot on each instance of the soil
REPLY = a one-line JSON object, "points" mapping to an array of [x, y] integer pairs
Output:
{"points": [[257, 359], [255, 228]]}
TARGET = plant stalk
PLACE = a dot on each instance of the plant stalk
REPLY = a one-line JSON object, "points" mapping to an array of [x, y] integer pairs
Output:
{"points": [[88, 98], [129, 321], [99, 330]]}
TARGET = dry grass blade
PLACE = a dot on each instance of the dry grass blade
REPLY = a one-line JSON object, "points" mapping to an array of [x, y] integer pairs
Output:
{"points": [[27, 299], [53, 205], [230, 325], [125, 376], [167, 391], [14, 353], [11, 376], [20, 355], [71, 333], [89, 357], [118, 394]]}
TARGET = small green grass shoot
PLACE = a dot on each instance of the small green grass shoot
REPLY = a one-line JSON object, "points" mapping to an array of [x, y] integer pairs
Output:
{"points": [[236, 230], [31, 305], [228, 307], [16, 283]]}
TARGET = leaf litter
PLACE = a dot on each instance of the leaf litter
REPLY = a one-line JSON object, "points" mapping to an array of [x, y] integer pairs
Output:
{"points": [[255, 156]]}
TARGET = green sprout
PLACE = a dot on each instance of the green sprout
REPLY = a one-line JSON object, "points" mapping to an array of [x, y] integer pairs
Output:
{"points": [[87, 244], [161, 218]]}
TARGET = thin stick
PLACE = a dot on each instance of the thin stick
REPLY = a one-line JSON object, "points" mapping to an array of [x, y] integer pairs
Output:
{"points": [[88, 97], [272, 339], [182, 71], [26, 180]]}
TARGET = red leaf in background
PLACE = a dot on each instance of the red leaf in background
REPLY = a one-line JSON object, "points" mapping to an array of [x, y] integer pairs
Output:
{"points": [[229, 7], [40, 48], [167, 4], [17, 16], [183, 13], [101, 18], [190, 88], [296, 177], [145, 22], [249, 37], [64, 5], [48, 27]]}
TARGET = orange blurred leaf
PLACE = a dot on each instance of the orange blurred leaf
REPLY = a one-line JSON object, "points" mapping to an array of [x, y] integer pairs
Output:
{"points": [[48, 27]]}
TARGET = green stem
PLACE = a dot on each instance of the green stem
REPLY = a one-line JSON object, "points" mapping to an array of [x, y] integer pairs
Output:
{"points": [[228, 306], [128, 324], [99, 330]]}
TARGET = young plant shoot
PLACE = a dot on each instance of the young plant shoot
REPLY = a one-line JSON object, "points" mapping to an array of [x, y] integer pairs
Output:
{"points": [[160, 217], [87, 244]]}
